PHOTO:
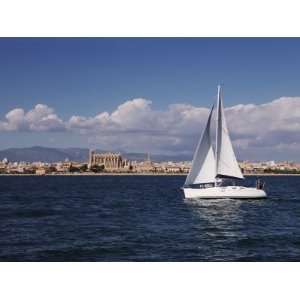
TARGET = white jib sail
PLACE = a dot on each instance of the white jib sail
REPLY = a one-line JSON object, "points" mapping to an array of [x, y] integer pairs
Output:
{"points": [[203, 165], [226, 163]]}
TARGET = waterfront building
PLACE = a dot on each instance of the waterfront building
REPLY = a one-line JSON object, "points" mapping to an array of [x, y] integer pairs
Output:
{"points": [[173, 169], [40, 171], [110, 161], [63, 167], [145, 166]]}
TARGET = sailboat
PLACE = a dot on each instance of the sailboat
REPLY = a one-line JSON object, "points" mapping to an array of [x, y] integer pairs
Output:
{"points": [[214, 173]]}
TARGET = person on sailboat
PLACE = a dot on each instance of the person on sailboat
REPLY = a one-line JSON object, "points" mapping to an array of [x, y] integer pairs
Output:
{"points": [[260, 184]]}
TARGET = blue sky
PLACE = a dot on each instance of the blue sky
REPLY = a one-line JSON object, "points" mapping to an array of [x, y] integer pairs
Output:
{"points": [[99, 74], [88, 76]]}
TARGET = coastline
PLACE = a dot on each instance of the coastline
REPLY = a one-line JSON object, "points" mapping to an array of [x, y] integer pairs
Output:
{"points": [[136, 174]]}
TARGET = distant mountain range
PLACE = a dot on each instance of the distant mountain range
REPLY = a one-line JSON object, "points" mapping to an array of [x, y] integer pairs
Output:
{"points": [[46, 154]]}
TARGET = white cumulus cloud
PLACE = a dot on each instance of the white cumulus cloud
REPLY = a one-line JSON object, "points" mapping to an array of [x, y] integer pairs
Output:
{"points": [[40, 118], [136, 126]]}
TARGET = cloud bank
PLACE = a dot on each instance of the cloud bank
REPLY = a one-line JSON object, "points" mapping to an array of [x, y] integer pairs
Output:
{"points": [[40, 118], [272, 127]]}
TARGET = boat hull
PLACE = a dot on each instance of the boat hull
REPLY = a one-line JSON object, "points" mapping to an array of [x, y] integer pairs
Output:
{"points": [[232, 192]]}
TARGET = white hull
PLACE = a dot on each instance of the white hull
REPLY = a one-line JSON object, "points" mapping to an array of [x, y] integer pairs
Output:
{"points": [[233, 192]]}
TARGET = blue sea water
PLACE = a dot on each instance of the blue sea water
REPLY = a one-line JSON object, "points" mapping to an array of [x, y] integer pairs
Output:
{"points": [[143, 218]]}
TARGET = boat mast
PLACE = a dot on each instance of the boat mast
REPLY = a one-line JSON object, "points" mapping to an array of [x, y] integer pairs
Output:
{"points": [[217, 129]]}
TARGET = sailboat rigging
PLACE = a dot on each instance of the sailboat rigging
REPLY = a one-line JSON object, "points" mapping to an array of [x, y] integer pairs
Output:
{"points": [[210, 168]]}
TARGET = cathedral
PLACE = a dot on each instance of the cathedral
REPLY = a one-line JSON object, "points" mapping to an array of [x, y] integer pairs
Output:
{"points": [[110, 161]]}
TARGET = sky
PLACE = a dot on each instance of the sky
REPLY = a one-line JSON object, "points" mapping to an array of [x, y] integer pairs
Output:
{"points": [[150, 94]]}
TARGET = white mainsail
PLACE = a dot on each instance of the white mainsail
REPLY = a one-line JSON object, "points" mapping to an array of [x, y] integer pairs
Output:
{"points": [[226, 163], [203, 165]]}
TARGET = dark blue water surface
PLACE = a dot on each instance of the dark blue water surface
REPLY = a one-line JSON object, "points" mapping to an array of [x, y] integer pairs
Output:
{"points": [[143, 218]]}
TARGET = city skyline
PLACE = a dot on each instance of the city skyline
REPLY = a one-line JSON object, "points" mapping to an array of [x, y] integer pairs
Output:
{"points": [[143, 95], [115, 163]]}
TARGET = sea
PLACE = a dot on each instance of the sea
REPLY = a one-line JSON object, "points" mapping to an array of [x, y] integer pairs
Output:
{"points": [[144, 218]]}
